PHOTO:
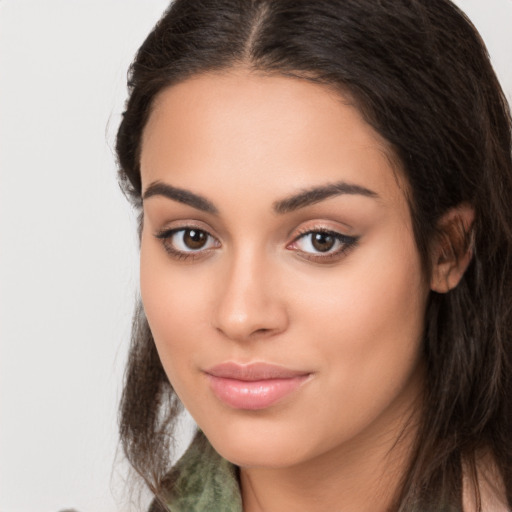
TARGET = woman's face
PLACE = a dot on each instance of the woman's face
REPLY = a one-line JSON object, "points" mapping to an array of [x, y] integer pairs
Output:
{"points": [[279, 272]]}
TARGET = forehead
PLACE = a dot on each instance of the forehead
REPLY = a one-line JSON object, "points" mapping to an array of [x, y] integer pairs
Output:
{"points": [[244, 128]]}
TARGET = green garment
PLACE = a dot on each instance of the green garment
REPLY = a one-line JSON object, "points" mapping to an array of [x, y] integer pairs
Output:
{"points": [[204, 481]]}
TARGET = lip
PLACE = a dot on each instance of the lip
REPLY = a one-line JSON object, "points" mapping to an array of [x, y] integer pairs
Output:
{"points": [[254, 386]]}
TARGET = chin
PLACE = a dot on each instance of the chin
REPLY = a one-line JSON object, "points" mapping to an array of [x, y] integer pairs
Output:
{"points": [[258, 455], [260, 444]]}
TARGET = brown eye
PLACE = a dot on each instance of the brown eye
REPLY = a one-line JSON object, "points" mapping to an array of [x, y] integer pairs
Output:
{"points": [[185, 242], [323, 246], [194, 239], [322, 242]]}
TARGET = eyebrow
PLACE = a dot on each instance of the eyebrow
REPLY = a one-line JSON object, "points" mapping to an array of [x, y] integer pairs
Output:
{"points": [[316, 194], [181, 195]]}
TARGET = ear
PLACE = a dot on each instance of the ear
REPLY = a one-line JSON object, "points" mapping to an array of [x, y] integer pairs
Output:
{"points": [[453, 248]]}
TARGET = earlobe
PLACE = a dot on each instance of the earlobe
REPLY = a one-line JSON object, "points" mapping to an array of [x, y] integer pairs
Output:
{"points": [[453, 248]]}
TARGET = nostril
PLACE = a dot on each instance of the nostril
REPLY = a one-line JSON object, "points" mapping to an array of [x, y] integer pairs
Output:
{"points": [[259, 332], [262, 332]]}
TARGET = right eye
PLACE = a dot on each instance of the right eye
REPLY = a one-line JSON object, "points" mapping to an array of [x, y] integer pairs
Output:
{"points": [[183, 243]]}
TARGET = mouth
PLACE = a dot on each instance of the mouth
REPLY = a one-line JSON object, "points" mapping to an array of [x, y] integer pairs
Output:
{"points": [[255, 386]]}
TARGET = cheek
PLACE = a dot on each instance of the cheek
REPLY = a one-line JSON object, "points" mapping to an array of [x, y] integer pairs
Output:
{"points": [[171, 300], [368, 294], [368, 321]]}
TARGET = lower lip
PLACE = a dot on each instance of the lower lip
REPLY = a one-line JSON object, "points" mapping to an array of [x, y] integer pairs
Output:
{"points": [[254, 395]]}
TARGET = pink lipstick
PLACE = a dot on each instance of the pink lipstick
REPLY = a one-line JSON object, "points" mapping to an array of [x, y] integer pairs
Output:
{"points": [[254, 386]]}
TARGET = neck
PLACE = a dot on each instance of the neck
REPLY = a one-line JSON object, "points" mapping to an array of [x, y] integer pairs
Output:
{"points": [[361, 476]]}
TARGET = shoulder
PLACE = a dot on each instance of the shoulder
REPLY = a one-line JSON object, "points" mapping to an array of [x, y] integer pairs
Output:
{"points": [[485, 486]]}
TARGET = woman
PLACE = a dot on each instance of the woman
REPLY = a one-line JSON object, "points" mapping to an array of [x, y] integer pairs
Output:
{"points": [[326, 241]]}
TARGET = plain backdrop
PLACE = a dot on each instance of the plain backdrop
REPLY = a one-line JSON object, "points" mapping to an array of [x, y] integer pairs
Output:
{"points": [[68, 251]]}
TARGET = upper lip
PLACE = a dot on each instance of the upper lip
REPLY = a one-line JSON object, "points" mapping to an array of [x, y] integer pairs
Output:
{"points": [[253, 371]]}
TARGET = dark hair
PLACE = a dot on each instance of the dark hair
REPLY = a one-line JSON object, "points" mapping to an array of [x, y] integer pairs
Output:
{"points": [[420, 74]]}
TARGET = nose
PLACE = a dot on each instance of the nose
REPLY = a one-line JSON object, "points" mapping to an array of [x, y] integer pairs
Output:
{"points": [[249, 303]]}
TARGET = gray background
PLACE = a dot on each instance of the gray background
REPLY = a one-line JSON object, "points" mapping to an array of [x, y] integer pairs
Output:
{"points": [[68, 252]]}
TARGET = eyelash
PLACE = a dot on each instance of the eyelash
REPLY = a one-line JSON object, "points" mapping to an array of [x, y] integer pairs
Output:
{"points": [[166, 235], [346, 244]]}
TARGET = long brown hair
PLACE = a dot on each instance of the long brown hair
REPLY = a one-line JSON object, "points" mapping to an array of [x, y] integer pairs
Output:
{"points": [[421, 76]]}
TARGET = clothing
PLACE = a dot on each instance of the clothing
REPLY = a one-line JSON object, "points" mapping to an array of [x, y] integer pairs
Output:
{"points": [[204, 481]]}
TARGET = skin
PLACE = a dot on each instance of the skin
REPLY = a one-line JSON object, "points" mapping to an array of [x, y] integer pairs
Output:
{"points": [[260, 291]]}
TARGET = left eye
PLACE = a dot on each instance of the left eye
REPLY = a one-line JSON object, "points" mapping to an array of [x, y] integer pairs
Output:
{"points": [[323, 242]]}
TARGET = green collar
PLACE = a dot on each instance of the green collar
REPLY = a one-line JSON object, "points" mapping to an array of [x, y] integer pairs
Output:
{"points": [[204, 481]]}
